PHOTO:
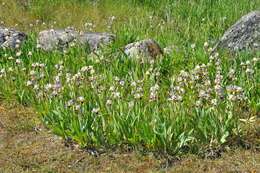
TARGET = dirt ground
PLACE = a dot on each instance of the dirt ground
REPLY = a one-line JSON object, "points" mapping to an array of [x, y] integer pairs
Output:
{"points": [[26, 146]]}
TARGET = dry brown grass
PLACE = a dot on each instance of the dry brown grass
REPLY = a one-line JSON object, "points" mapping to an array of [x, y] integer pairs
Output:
{"points": [[15, 13]]}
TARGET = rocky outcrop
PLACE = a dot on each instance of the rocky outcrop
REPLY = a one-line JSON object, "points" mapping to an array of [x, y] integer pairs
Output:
{"points": [[95, 40], [56, 39], [11, 38], [146, 48], [243, 35]]}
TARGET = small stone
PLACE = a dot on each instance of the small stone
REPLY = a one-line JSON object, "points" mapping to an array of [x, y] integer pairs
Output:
{"points": [[146, 48], [95, 40], [49, 40], [10, 38]]}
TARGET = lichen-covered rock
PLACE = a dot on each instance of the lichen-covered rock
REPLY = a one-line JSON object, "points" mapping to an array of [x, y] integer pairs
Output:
{"points": [[146, 48], [56, 39], [10, 38], [95, 40], [243, 35]]}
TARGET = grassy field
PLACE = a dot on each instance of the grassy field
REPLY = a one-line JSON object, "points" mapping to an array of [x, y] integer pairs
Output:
{"points": [[186, 101], [26, 146]]}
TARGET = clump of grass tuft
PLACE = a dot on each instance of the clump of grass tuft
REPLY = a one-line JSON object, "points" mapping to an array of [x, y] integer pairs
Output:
{"points": [[184, 101]]}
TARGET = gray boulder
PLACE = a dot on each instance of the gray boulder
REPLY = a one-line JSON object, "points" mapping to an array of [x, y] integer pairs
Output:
{"points": [[2, 37], [145, 48], [11, 38], [49, 40], [243, 35], [95, 40]]}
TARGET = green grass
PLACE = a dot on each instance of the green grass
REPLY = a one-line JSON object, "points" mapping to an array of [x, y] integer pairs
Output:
{"points": [[143, 116]]}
